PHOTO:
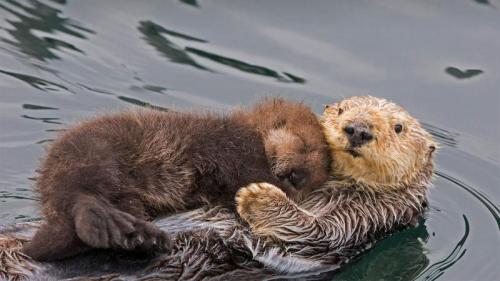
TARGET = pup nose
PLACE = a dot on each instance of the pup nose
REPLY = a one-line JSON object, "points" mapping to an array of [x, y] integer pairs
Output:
{"points": [[294, 177], [358, 134]]}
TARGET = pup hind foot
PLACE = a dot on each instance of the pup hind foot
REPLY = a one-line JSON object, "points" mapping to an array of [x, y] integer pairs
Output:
{"points": [[102, 226]]}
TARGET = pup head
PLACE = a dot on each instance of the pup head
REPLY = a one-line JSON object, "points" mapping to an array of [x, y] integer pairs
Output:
{"points": [[376, 142], [300, 161], [295, 145]]}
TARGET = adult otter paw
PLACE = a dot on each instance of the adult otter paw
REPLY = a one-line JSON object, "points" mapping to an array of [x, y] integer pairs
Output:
{"points": [[256, 200]]}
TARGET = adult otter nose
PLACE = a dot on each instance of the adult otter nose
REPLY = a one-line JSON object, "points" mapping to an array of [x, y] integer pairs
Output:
{"points": [[358, 134]]}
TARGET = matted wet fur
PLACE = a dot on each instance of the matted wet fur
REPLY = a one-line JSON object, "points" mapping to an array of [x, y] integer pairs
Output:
{"points": [[104, 179], [379, 183], [296, 239]]}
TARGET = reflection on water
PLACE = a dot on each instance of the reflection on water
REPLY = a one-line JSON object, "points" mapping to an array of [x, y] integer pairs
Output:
{"points": [[187, 53], [156, 36], [402, 255], [9, 195], [441, 135], [462, 74], [483, 2], [141, 103], [245, 67], [37, 83], [485, 201], [37, 17], [193, 3], [50, 120], [37, 107], [153, 35], [435, 270]]}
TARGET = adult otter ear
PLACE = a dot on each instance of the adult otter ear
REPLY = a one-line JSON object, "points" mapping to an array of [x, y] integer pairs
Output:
{"points": [[432, 146], [332, 106]]}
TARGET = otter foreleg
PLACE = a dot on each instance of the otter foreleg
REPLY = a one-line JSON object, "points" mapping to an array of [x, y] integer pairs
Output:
{"points": [[270, 213]]}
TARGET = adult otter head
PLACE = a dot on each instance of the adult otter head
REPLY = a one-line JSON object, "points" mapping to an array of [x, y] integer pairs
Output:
{"points": [[376, 143]]}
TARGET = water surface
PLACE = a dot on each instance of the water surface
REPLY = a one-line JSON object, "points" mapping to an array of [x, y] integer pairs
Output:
{"points": [[61, 61]]}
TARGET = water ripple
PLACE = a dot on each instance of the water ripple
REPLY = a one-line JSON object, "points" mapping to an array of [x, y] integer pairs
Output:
{"points": [[435, 270], [441, 135], [492, 208], [37, 83], [157, 36], [153, 35], [40, 17], [37, 107], [141, 103], [245, 66], [50, 120]]}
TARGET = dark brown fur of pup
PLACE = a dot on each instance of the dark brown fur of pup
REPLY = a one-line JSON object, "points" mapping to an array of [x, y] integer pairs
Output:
{"points": [[103, 179]]}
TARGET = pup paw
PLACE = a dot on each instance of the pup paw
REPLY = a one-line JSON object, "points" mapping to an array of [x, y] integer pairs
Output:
{"points": [[106, 227], [257, 199]]}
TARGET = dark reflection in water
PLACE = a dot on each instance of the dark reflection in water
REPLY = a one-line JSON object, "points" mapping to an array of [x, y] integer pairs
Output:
{"points": [[41, 47], [156, 34], [153, 88], [45, 141], [38, 83], [37, 107], [492, 208], [95, 90], [141, 103], [38, 16], [50, 120], [176, 54], [462, 74], [244, 66], [441, 135], [401, 255], [193, 3], [483, 2], [6, 194], [437, 269]]}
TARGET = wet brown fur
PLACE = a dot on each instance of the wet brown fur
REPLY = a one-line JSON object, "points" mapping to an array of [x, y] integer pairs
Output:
{"points": [[104, 179]]}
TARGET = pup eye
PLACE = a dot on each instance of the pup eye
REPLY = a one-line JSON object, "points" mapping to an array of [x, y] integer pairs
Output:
{"points": [[398, 128], [341, 111]]}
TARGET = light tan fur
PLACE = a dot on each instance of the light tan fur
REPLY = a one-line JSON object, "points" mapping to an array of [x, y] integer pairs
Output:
{"points": [[379, 189], [391, 160]]}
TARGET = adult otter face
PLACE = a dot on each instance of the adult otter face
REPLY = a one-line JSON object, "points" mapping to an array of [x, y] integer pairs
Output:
{"points": [[376, 142]]}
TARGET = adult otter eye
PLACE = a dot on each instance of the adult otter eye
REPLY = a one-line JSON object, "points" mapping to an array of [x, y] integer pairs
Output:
{"points": [[341, 111], [398, 128]]}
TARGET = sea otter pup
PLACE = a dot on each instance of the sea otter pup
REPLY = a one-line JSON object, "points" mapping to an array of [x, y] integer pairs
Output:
{"points": [[382, 167], [102, 180]]}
